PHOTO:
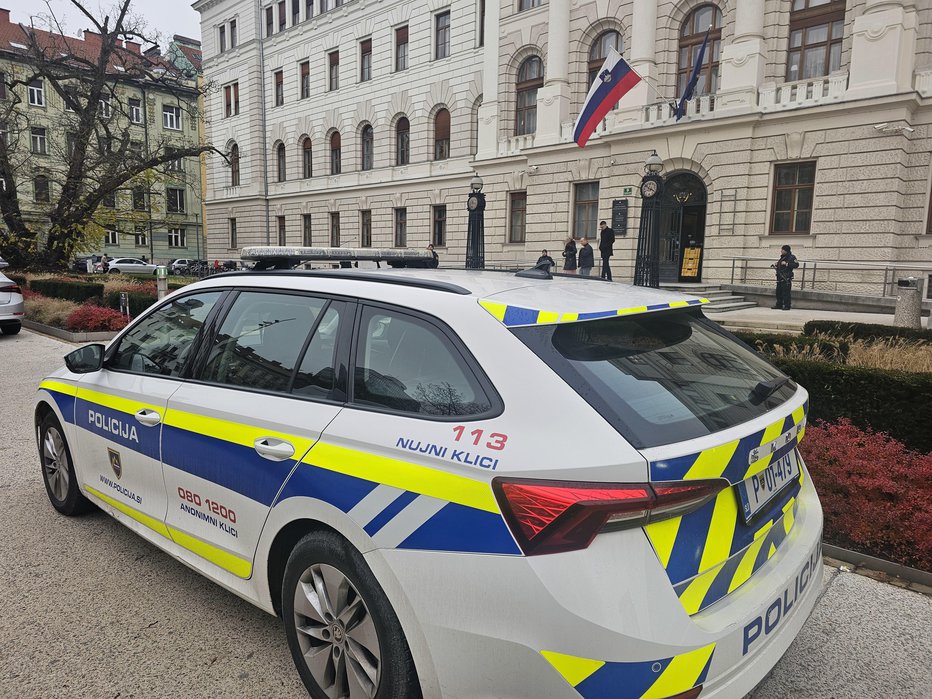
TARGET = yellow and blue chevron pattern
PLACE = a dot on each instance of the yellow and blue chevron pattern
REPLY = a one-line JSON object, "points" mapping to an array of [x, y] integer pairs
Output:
{"points": [[515, 316]]}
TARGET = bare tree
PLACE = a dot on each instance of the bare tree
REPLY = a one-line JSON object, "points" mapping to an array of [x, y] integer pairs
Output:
{"points": [[97, 145]]}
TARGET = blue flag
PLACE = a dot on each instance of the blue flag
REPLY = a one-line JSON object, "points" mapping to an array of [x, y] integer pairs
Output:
{"points": [[693, 78]]}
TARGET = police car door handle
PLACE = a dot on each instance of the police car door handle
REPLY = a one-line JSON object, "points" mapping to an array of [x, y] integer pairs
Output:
{"points": [[274, 449], [149, 418]]}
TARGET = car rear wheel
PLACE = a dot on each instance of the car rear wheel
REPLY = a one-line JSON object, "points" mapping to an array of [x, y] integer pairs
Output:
{"points": [[344, 636], [61, 484]]}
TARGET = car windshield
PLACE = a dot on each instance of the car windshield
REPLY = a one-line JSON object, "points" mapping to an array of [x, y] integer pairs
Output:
{"points": [[660, 378]]}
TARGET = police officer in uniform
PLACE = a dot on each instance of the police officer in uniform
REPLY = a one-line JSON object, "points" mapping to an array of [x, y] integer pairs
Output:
{"points": [[784, 267]]}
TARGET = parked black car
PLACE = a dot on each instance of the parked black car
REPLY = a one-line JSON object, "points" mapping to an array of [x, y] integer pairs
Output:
{"points": [[80, 263]]}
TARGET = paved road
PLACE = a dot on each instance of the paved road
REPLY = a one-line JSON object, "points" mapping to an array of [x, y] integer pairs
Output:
{"points": [[91, 610]]}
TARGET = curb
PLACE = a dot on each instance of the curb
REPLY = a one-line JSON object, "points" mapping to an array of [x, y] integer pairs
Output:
{"points": [[879, 569], [60, 334]]}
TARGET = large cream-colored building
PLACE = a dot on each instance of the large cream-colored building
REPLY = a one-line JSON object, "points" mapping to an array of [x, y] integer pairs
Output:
{"points": [[362, 123]]}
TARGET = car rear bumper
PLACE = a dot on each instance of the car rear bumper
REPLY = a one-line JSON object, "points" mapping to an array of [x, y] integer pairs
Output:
{"points": [[587, 622]]}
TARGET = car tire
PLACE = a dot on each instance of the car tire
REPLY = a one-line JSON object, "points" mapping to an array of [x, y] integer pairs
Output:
{"points": [[114, 271], [11, 329], [348, 640], [58, 474]]}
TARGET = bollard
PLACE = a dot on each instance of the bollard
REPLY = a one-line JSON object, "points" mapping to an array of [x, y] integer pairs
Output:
{"points": [[908, 312], [161, 281]]}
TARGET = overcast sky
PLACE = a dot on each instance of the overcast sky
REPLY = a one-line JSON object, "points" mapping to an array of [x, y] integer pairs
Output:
{"points": [[167, 17]]}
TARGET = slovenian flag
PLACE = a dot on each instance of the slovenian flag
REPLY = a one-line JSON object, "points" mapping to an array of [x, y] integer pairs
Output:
{"points": [[613, 82]]}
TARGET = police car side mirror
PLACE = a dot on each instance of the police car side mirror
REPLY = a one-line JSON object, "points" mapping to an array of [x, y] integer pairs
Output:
{"points": [[85, 360]]}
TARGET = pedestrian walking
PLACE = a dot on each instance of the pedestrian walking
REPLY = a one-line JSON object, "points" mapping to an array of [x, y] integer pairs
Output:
{"points": [[434, 262], [569, 256], [586, 258], [545, 259], [606, 249], [784, 267]]}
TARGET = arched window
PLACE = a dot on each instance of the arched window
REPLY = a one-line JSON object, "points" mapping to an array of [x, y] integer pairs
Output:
{"points": [[816, 31], [234, 165], [599, 52], [402, 141], [307, 160], [280, 160], [442, 135], [530, 79], [692, 34], [335, 158], [368, 146]]}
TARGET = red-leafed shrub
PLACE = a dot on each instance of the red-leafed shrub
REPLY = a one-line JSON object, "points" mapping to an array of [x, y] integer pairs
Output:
{"points": [[91, 318], [876, 493]]}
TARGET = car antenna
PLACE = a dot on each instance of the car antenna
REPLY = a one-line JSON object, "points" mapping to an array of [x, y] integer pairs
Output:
{"points": [[538, 271]]}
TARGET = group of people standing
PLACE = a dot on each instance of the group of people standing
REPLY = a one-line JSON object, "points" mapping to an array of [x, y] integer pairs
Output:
{"points": [[582, 260]]}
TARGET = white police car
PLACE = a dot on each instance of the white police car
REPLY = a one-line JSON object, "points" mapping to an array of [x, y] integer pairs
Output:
{"points": [[456, 483]]}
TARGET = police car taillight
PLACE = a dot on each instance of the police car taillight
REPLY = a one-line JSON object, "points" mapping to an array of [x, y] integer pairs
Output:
{"points": [[552, 516]]}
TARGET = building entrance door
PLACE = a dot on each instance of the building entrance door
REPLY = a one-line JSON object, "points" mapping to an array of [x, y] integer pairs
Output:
{"points": [[682, 228]]}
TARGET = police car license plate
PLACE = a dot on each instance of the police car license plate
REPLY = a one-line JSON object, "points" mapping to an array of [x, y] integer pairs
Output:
{"points": [[758, 490]]}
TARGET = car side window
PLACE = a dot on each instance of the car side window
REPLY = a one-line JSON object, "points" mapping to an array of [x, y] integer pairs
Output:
{"points": [[260, 339], [407, 364], [316, 376], [161, 342]]}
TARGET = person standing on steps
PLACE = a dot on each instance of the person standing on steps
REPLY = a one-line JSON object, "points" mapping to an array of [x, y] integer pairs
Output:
{"points": [[784, 268], [569, 255], [606, 249], [586, 258]]}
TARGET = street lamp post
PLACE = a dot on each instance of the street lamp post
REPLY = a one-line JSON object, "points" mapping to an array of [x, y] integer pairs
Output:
{"points": [[475, 238], [647, 260]]}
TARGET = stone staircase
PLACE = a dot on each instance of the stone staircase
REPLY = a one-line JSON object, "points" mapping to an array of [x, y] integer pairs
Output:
{"points": [[719, 299]]}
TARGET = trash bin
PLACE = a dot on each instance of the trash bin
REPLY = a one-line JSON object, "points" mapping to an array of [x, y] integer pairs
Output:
{"points": [[908, 312]]}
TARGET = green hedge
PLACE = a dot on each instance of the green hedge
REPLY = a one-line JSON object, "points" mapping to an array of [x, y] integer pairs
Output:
{"points": [[138, 301], [830, 349], [896, 402], [79, 292], [863, 331]]}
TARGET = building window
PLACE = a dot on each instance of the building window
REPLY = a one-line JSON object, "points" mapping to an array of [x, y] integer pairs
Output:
{"points": [[223, 38], [816, 31], [518, 217], [530, 79], [135, 110], [111, 237], [280, 162], [282, 238], [140, 238], [295, 12], [36, 91], [401, 228], [402, 141], [41, 188], [2, 85], [70, 144], [306, 238], [231, 100], [335, 158], [401, 48], [171, 117], [109, 200], [365, 228], [175, 199], [439, 238], [692, 34], [442, 135], [234, 165], [38, 141], [365, 60], [269, 21], [104, 108], [307, 158], [527, 4], [481, 22], [279, 88], [308, 9], [305, 79], [334, 70], [232, 228], [334, 229], [442, 35], [232, 33], [792, 197], [599, 52], [139, 198], [177, 238], [586, 209], [282, 17], [176, 165], [368, 146]]}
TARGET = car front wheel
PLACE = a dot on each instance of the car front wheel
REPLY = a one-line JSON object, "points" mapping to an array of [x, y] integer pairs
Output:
{"points": [[58, 474], [344, 636]]}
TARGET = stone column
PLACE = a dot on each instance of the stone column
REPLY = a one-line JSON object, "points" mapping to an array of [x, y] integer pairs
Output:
{"points": [[886, 29], [488, 110], [742, 63], [553, 100], [642, 56]]}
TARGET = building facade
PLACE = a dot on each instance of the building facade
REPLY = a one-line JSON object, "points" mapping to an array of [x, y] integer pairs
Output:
{"points": [[156, 216], [362, 123]]}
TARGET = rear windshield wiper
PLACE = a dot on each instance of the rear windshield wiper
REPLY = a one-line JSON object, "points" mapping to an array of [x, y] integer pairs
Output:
{"points": [[764, 389]]}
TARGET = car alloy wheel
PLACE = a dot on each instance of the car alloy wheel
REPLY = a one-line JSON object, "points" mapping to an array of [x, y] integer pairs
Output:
{"points": [[55, 467]]}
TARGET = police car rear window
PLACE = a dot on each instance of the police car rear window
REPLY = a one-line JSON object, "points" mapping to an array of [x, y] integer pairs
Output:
{"points": [[660, 378]]}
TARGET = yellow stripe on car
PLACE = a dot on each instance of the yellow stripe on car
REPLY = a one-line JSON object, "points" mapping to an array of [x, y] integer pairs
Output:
{"points": [[721, 530], [712, 462], [124, 405], [234, 432], [573, 669], [681, 674], [59, 386]]}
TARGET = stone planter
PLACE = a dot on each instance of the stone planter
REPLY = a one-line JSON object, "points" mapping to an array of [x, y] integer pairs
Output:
{"points": [[69, 336]]}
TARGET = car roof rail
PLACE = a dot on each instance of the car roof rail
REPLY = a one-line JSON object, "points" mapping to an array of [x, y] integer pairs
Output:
{"points": [[287, 257], [353, 275]]}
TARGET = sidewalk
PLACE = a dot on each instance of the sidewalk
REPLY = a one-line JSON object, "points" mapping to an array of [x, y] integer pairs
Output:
{"points": [[762, 318]]}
